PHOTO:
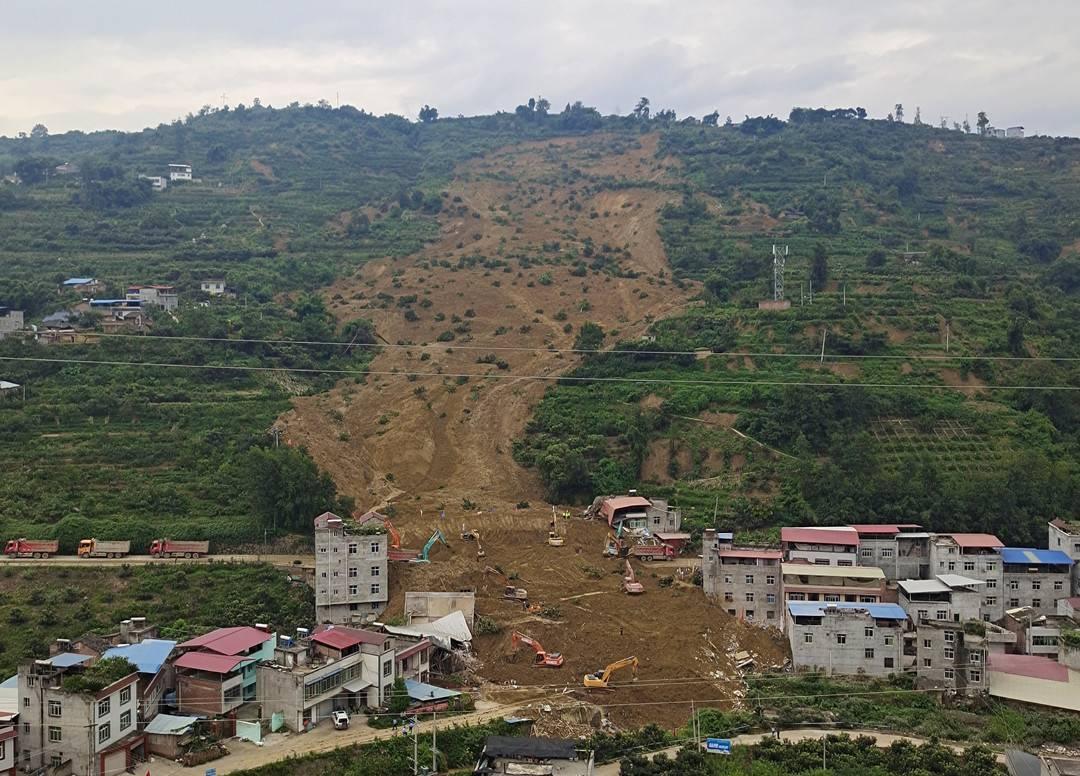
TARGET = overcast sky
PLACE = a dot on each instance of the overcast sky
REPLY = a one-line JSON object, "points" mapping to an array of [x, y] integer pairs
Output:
{"points": [[127, 64]]}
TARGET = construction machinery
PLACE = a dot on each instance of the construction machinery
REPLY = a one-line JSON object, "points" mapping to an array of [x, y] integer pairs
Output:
{"points": [[653, 549], [599, 680], [510, 593], [554, 539], [394, 551], [544, 659], [630, 583], [479, 547], [436, 536]]}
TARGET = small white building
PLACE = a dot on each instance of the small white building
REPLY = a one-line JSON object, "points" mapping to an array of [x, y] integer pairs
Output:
{"points": [[11, 321], [213, 286], [179, 172], [164, 297], [1014, 132], [157, 182]]}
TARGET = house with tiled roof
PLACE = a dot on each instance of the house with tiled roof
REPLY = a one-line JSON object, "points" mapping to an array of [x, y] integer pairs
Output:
{"points": [[216, 672]]}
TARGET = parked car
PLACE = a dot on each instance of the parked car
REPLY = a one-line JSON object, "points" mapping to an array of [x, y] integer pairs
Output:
{"points": [[341, 720]]}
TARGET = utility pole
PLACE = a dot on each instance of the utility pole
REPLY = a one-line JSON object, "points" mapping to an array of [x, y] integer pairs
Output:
{"points": [[434, 765], [811, 290], [946, 336], [415, 751], [845, 294], [823, 333]]}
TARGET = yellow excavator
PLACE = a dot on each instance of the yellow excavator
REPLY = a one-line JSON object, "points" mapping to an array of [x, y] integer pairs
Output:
{"points": [[599, 680]]}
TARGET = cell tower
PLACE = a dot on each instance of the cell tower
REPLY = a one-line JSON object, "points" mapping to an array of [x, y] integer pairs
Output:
{"points": [[778, 259]]}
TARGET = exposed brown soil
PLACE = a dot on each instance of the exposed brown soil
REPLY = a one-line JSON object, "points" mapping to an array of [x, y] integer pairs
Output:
{"points": [[263, 169], [953, 377]]}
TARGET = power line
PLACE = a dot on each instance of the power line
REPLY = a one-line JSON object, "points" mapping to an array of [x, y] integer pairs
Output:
{"points": [[544, 378]]}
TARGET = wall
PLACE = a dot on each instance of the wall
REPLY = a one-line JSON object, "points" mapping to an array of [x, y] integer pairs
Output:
{"points": [[826, 654], [732, 587], [425, 607], [196, 695], [333, 600], [1022, 588]]}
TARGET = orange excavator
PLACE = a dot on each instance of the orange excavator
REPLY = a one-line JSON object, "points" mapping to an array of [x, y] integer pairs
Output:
{"points": [[543, 659], [394, 552], [630, 583], [599, 680]]}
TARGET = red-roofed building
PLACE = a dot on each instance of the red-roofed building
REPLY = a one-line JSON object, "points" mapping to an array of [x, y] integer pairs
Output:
{"points": [[744, 580], [1037, 680], [901, 550], [635, 512], [216, 672], [833, 546], [241, 640]]}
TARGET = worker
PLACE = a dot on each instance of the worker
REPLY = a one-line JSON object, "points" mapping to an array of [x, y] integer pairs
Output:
{"points": [[620, 630]]}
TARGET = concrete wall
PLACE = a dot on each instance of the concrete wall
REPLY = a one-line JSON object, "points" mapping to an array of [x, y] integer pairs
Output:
{"points": [[743, 588], [1069, 543], [202, 695], [425, 607], [948, 657], [826, 653], [345, 580], [1025, 588], [899, 558]]}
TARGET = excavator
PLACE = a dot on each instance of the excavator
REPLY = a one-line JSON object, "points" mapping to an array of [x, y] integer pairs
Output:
{"points": [[436, 536], [543, 659], [630, 583], [394, 552], [554, 539], [599, 680], [510, 593]]}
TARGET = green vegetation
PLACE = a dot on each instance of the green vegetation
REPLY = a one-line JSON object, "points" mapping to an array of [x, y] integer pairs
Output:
{"points": [[99, 676], [38, 605]]}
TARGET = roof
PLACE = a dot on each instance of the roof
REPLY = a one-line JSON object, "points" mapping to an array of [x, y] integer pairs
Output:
{"points": [[11, 681], [916, 586], [840, 535], [1065, 525], [665, 536], [356, 685], [68, 659], [975, 539], [1031, 556], [817, 609], [169, 725], [78, 281], [882, 528], [341, 637], [148, 656], [1022, 763], [959, 580], [419, 691], [813, 570], [528, 746], [773, 554], [207, 661], [725, 536], [610, 506], [412, 649], [229, 641], [442, 632], [1034, 666], [6, 386], [320, 521]]}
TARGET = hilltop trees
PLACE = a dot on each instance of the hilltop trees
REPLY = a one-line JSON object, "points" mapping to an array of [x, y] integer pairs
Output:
{"points": [[428, 114], [982, 123]]}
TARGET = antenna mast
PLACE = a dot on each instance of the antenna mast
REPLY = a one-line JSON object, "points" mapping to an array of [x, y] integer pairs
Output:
{"points": [[778, 259]]}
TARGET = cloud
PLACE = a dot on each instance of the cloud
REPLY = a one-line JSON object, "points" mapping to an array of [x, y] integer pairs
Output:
{"points": [[127, 64]]}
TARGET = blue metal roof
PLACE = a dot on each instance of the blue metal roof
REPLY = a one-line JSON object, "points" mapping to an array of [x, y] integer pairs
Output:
{"points": [[68, 659], [10, 682], [148, 656], [817, 608], [419, 691], [78, 281], [1033, 557]]}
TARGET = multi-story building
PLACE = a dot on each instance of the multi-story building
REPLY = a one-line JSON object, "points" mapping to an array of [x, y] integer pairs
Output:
{"points": [[213, 286], [1065, 536], [637, 513], [953, 655], [335, 668], [746, 581], [82, 720], [413, 659], [945, 598], [351, 582], [846, 638], [1037, 634], [156, 674], [837, 546], [1035, 578], [832, 584], [164, 297], [179, 172], [9, 746], [975, 556], [217, 671], [11, 321], [901, 550]]}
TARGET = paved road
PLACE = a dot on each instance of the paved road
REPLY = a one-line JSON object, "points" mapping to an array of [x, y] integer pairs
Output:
{"points": [[793, 736], [299, 561]]}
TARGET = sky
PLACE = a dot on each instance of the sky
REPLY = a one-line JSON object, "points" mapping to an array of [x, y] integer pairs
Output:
{"points": [[128, 64]]}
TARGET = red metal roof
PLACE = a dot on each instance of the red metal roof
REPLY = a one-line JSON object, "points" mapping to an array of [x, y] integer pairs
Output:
{"points": [[881, 528], [820, 535], [412, 650], [1035, 666], [768, 554], [342, 637], [207, 661], [228, 641], [975, 540]]}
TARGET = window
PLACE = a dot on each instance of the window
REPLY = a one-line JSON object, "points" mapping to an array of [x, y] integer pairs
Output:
{"points": [[868, 653], [375, 588], [868, 599], [991, 600], [949, 673], [1036, 584], [974, 676], [770, 615], [3, 749], [1014, 602], [125, 696], [656, 520], [927, 643], [354, 573], [770, 598], [969, 565], [354, 589], [887, 552], [866, 552], [125, 720], [388, 668], [26, 729], [1014, 584], [796, 596], [1036, 603], [832, 597], [950, 637], [770, 579], [941, 614], [808, 638], [844, 563], [375, 571], [841, 638], [750, 614], [31, 681], [729, 598], [888, 662], [104, 706], [991, 583], [728, 578], [952, 565], [26, 702], [926, 662], [924, 614], [731, 612], [749, 579], [354, 548], [950, 653], [55, 761], [868, 633], [749, 597], [888, 641], [375, 548], [55, 735], [1057, 585], [975, 656], [991, 566], [104, 732], [821, 561]]}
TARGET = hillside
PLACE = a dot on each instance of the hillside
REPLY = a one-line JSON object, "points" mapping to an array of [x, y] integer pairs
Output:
{"points": [[477, 252]]}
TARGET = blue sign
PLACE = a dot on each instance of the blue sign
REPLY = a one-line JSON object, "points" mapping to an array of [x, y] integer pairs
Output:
{"points": [[211, 772], [718, 745]]}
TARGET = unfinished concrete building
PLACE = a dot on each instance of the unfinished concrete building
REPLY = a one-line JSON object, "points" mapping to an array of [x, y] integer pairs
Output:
{"points": [[953, 655], [746, 582], [846, 638], [1035, 578], [901, 550], [1064, 535], [973, 555], [945, 598], [351, 582], [838, 546], [832, 584]]}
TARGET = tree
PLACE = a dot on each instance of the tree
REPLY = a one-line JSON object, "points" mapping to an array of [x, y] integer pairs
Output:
{"points": [[982, 123], [39, 131], [918, 116], [966, 126], [819, 267], [286, 488], [641, 110], [428, 114], [1015, 338], [876, 259], [34, 169], [543, 105], [590, 337], [399, 697], [711, 119], [899, 112]]}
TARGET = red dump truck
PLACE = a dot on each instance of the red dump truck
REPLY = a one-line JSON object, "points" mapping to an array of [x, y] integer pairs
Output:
{"points": [[653, 552], [168, 548], [31, 548], [96, 548]]}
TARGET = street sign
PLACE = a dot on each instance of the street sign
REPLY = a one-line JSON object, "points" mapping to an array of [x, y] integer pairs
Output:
{"points": [[718, 745], [211, 772]]}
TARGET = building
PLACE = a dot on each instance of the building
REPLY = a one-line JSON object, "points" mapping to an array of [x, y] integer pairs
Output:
{"points": [[413, 659], [82, 285], [157, 182], [953, 655], [846, 638], [213, 286], [1038, 634], [832, 584], [66, 723], [529, 755], [156, 674], [216, 672], [821, 546], [337, 668], [747, 583], [179, 172], [945, 598], [901, 550], [973, 555], [11, 321], [61, 319], [9, 747], [1065, 536], [164, 297], [637, 513], [1035, 578], [1036, 680], [1014, 132], [351, 584], [428, 606], [167, 735]]}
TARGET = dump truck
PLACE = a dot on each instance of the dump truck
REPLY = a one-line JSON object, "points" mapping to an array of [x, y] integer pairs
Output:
{"points": [[168, 548], [31, 548], [95, 548], [657, 551]]}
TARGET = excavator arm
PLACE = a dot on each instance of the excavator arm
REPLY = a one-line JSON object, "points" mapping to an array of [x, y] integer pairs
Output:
{"points": [[601, 678], [543, 657]]}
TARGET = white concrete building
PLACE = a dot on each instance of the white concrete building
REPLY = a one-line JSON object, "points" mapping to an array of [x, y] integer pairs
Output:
{"points": [[973, 555], [846, 638], [11, 321], [351, 571], [1065, 536], [213, 286], [945, 598], [179, 172]]}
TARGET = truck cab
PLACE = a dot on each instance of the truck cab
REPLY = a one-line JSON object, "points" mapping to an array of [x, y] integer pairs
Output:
{"points": [[86, 548], [12, 547], [157, 548]]}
